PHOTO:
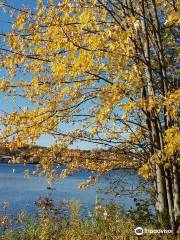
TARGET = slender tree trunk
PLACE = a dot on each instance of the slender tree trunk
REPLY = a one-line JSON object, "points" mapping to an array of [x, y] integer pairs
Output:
{"points": [[162, 202], [162, 196], [166, 182], [170, 199], [176, 192]]}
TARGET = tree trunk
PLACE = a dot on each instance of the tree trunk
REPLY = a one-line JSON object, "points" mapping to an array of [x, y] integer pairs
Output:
{"points": [[162, 202], [161, 195], [170, 199], [176, 193]]}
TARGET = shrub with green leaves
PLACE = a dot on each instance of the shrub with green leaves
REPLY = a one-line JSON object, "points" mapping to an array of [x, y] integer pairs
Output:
{"points": [[105, 223]]}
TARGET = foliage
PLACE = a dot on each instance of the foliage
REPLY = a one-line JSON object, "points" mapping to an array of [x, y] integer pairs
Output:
{"points": [[83, 62], [115, 224], [141, 214], [100, 71]]}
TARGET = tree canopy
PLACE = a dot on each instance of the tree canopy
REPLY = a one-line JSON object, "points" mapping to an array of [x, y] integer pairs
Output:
{"points": [[108, 67]]}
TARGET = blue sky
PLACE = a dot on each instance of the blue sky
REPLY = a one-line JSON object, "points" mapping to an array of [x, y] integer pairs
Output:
{"points": [[5, 26], [6, 103], [4, 18]]}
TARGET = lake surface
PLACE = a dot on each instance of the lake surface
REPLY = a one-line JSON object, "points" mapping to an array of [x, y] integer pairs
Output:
{"points": [[21, 192]]}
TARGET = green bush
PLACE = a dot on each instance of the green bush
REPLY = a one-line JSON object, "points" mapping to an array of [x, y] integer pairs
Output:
{"points": [[105, 223]]}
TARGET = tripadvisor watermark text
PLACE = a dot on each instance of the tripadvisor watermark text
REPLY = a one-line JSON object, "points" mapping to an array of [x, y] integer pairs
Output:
{"points": [[140, 231]]}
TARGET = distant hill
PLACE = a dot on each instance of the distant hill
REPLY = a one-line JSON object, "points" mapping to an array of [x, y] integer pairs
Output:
{"points": [[36, 153], [26, 154], [7, 155]]}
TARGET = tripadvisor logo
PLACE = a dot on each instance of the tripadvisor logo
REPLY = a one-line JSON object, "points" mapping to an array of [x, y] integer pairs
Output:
{"points": [[138, 231]]}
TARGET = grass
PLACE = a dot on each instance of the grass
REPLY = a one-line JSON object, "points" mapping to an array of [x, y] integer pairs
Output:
{"points": [[105, 223]]}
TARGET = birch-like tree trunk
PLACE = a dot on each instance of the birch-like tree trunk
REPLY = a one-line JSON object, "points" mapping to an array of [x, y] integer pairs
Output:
{"points": [[176, 193]]}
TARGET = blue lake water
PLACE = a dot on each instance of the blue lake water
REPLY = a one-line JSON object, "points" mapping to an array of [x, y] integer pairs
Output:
{"points": [[21, 192]]}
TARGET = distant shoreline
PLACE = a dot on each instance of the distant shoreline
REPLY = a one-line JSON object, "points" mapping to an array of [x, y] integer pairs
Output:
{"points": [[35, 163]]}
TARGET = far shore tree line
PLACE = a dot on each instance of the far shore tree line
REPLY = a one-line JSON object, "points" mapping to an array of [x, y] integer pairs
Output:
{"points": [[35, 154]]}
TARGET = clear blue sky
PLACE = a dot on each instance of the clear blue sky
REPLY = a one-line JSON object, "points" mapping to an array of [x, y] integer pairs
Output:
{"points": [[6, 103], [4, 18]]}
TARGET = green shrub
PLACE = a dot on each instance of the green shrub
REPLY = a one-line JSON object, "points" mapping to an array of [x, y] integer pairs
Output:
{"points": [[105, 223]]}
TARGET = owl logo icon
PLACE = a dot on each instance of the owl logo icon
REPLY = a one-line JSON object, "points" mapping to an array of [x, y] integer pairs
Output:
{"points": [[138, 231]]}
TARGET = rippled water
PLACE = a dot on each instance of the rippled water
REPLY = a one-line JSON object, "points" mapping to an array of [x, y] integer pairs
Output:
{"points": [[21, 193]]}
